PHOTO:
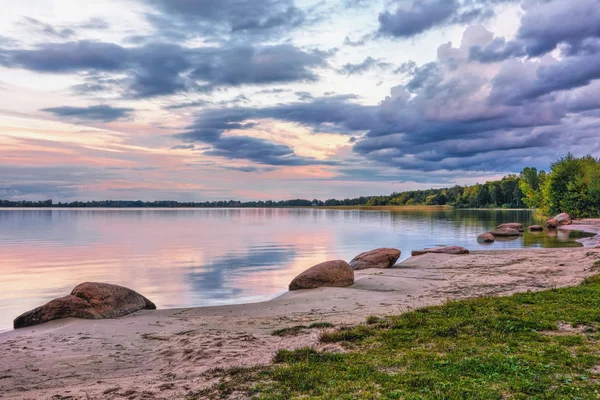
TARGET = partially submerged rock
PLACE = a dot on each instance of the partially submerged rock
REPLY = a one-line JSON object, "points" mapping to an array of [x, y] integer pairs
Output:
{"points": [[552, 223], [89, 300], [505, 232], [536, 228], [563, 219], [486, 238], [378, 258], [328, 274], [512, 225], [441, 250]]}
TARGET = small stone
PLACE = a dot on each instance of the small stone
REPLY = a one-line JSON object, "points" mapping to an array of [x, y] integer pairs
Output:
{"points": [[486, 238]]}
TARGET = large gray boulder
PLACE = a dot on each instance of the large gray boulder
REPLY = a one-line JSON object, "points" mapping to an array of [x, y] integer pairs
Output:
{"points": [[378, 258], [512, 225], [328, 274], [441, 250], [89, 300]]}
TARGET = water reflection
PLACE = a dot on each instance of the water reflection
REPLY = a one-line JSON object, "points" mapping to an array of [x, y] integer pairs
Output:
{"points": [[182, 258]]}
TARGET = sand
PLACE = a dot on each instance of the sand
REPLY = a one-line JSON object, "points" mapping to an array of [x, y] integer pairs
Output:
{"points": [[165, 354]]}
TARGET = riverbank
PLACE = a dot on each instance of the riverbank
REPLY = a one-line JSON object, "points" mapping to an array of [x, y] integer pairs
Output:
{"points": [[166, 353]]}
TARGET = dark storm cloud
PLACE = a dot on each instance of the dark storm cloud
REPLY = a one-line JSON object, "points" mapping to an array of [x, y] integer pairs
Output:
{"points": [[368, 64], [418, 16], [101, 113], [545, 25], [158, 69], [212, 123], [68, 57], [181, 18], [249, 148]]}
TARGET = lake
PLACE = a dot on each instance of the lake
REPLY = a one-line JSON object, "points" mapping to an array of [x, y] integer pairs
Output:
{"points": [[203, 257]]}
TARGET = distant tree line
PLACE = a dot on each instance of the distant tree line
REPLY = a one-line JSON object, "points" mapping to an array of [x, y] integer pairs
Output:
{"points": [[572, 185]]}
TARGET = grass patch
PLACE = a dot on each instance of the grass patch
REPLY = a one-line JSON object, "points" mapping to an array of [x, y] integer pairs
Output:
{"points": [[489, 348], [320, 325], [298, 329]]}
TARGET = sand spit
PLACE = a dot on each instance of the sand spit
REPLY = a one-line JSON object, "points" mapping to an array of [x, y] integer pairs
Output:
{"points": [[164, 354], [585, 225]]}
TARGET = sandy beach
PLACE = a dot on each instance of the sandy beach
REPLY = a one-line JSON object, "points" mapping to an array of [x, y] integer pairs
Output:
{"points": [[164, 354]]}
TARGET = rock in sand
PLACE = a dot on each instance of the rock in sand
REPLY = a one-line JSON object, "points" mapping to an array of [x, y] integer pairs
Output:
{"points": [[89, 300], [328, 274], [378, 258]]}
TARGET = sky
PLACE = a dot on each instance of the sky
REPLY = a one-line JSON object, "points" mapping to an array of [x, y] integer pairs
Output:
{"points": [[200, 100]]}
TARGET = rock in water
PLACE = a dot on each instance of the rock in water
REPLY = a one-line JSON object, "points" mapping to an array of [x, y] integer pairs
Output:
{"points": [[441, 250], [503, 232], [536, 228], [378, 258], [552, 223], [328, 274], [89, 300], [512, 225], [563, 219], [486, 238]]}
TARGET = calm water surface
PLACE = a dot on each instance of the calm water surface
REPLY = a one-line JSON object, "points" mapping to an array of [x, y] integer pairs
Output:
{"points": [[202, 257]]}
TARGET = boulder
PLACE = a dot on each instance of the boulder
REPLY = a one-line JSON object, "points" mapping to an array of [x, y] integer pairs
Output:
{"points": [[512, 225], [504, 232], [536, 228], [378, 258], [441, 250], [89, 300], [486, 238], [552, 223], [328, 274], [563, 219]]}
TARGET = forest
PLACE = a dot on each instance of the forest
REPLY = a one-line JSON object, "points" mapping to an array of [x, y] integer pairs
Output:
{"points": [[571, 185]]}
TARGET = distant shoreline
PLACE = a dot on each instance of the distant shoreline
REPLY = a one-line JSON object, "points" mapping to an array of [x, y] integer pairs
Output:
{"points": [[364, 208]]}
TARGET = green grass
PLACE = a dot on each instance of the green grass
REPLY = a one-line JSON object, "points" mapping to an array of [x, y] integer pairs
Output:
{"points": [[490, 348], [298, 329]]}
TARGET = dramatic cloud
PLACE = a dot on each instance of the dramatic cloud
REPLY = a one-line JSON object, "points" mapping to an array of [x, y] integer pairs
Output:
{"points": [[545, 26], [210, 126], [419, 16], [453, 114], [102, 113], [162, 69], [220, 87], [181, 18]]}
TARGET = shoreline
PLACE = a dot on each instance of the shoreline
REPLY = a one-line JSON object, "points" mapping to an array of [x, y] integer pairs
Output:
{"points": [[169, 351]]}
